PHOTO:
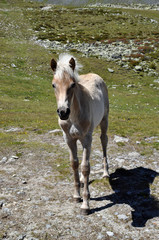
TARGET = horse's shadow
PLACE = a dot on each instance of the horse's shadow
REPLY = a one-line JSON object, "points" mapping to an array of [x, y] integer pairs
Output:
{"points": [[132, 187]]}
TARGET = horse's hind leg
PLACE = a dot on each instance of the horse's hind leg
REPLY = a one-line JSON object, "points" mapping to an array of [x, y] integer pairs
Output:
{"points": [[104, 141]]}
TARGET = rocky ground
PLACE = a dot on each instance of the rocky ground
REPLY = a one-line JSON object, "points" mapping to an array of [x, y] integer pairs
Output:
{"points": [[36, 193], [127, 53]]}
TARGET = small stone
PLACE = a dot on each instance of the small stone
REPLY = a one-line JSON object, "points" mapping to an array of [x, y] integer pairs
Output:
{"points": [[21, 237], [55, 131], [110, 234], [12, 129], [134, 154], [48, 226], [6, 211], [156, 81], [138, 68], [118, 139], [24, 182], [15, 157], [4, 159], [13, 65], [110, 70], [12, 159], [44, 198], [50, 214], [122, 217], [1, 203], [100, 236], [117, 56]]}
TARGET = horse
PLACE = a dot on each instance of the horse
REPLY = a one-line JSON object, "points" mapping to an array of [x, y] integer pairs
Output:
{"points": [[82, 104]]}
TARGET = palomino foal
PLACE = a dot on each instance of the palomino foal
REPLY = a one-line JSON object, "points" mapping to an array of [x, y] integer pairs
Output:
{"points": [[82, 104]]}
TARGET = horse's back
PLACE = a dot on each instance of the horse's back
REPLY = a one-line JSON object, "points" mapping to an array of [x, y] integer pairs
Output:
{"points": [[98, 95]]}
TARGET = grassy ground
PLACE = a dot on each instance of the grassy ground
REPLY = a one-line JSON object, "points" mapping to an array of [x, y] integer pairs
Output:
{"points": [[27, 99]]}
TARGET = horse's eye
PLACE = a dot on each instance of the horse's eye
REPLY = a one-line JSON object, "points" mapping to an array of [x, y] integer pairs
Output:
{"points": [[53, 85], [73, 85]]}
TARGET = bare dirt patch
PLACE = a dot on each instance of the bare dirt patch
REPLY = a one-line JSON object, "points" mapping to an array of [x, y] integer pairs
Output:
{"points": [[36, 193]]}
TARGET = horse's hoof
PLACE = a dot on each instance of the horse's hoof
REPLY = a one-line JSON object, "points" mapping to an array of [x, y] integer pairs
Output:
{"points": [[85, 212], [77, 200], [106, 175]]}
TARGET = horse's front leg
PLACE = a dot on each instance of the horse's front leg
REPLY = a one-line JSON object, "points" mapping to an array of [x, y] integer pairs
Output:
{"points": [[75, 164], [85, 169]]}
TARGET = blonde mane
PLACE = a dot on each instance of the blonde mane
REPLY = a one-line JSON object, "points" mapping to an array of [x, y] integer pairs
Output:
{"points": [[63, 66]]}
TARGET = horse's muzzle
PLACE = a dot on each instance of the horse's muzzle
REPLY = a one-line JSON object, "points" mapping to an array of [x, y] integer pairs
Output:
{"points": [[63, 113]]}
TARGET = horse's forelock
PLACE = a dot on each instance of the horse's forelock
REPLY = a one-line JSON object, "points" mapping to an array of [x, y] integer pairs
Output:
{"points": [[63, 66]]}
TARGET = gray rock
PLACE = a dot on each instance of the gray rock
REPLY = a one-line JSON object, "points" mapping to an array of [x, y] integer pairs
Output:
{"points": [[100, 236], [3, 160], [118, 139], [134, 155], [13, 65], [122, 217], [1, 203], [110, 70], [55, 131], [117, 56], [138, 68], [21, 237], [110, 234], [156, 81]]}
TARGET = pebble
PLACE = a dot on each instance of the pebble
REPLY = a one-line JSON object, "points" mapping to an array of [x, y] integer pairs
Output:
{"points": [[21, 237], [138, 68], [110, 234], [134, 155], [110, 70], [6, 211], [12, 129], [118, 139], [13, 65], [46, 8], [156, 81], [122, 217], [15, 157], [44, 198], [1, 203], [55, 131], [48, 226], [4, 160], [24, 182], [100, 236]]}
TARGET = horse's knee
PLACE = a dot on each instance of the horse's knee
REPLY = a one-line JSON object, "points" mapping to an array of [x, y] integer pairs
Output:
{"points": [[85, 168], [74, 164]]}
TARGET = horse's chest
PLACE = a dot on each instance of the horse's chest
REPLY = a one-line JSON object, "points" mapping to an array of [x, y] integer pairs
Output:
{"points": [[71, 130], [74, 131]]}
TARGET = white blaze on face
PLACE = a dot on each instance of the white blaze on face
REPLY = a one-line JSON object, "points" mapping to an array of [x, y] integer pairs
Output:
{"points": [[62, 91], [62, 101]]}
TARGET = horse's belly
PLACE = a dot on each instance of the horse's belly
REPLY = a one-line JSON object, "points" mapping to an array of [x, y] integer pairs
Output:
{"points": [[98, 111]]}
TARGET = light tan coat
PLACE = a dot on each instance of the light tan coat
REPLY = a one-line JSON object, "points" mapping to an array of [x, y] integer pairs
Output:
{"points": [[82, 105]]}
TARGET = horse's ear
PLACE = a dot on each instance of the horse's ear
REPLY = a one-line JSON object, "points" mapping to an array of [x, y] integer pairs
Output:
{"points": [[53, 65], [72, 63]]}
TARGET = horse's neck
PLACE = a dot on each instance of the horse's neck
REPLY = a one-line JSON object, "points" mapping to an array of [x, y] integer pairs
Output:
{"points": [[79, 102]]}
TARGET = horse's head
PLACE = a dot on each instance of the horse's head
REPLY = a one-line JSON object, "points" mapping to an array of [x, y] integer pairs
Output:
{"points": [[64, 84]]}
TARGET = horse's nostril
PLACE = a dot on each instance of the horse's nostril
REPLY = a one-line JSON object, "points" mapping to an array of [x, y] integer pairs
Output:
{"points": [[68, 111], [63, 113]]}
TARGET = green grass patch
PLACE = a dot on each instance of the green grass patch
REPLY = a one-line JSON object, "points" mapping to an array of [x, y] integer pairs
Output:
{"points": [[27, 99]]}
